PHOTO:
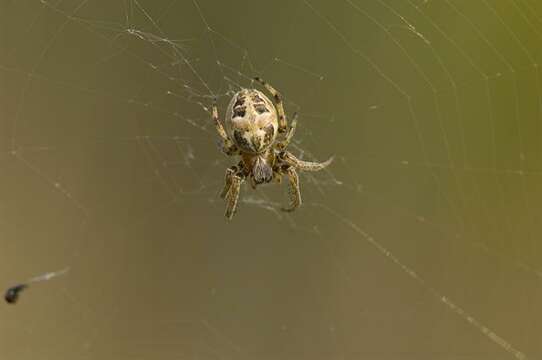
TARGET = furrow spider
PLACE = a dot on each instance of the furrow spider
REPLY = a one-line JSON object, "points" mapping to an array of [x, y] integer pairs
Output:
{"points": [[252, 128]]}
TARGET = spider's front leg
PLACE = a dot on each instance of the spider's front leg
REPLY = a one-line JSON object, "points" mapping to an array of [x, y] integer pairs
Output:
{"points": [[290, 159], [294, 193], [228, 147], [232, 197], [230, 172]]}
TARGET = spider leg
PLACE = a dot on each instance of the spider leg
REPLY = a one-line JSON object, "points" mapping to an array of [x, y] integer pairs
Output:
{"points": [[281, 145], [277, 176], [228, 147], [277, 97], [290, 159], [232, 196], [253, 184], [294, 193], [230, 172]]}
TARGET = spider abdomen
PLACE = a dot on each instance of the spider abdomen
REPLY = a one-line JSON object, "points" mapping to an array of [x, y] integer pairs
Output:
{"points": [[251, 121]]}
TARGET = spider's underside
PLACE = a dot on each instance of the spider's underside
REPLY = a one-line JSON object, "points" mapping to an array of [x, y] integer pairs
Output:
{"points": [[252, 125]]}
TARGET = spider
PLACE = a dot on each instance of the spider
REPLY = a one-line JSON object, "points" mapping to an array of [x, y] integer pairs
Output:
{"points": [[252, 127]]}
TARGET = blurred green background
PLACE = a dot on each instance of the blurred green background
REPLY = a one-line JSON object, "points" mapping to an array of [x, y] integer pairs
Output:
{"points": [[110, 166]]}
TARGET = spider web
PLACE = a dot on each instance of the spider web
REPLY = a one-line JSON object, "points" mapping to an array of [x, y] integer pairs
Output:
{"points": [[419, 241]]}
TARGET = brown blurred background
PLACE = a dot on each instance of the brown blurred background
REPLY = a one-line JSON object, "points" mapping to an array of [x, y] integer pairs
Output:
{"points": [[110, 166]]}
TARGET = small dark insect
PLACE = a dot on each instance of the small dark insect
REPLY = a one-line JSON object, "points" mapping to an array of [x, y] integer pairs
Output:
{"points": [[12, 294]]}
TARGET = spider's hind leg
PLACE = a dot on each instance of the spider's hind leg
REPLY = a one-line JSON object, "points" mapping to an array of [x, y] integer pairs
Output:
{"points": [[228, 147], [277, 97], [281, 145]]}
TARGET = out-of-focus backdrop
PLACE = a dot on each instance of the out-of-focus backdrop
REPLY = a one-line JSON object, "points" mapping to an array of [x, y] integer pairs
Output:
{"points": [[421, 241]]}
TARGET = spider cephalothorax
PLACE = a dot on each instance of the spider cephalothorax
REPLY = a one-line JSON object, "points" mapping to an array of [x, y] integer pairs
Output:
{"points": [[253, 124]]}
